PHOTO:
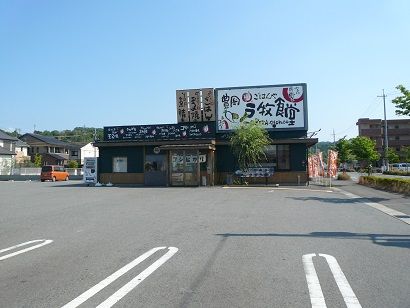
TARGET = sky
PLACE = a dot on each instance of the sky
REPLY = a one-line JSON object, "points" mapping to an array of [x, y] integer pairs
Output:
{"points": [[67, 64]]}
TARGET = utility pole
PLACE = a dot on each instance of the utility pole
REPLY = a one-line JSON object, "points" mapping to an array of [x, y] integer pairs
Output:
{"points": [[386, 140], [334, 137]]}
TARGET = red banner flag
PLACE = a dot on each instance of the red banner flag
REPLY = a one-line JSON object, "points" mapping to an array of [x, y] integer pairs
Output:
{"points": [[332, 163]]}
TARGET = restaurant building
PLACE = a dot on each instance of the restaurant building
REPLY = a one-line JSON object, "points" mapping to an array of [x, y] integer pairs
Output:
{"points": [[196, 150]]}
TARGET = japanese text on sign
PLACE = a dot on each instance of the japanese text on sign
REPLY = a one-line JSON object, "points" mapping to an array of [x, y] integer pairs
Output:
{"points": [[195, 105], [204, 130], [275, 107]]}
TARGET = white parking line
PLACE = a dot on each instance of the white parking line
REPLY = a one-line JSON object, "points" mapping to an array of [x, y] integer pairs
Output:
{"points": [[344, 286], [315, 291], [127, 287], [137, 280], [46, 242], [393, 213]]}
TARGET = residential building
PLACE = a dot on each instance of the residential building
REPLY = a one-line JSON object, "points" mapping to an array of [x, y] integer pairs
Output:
{"points": [[7, 153], [21, 152], [52, 150], [7, 142], [398, 133], [88, 150]]}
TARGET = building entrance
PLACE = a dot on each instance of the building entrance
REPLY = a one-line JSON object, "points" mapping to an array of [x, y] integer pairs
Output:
{"points": [[155, 173], [184, 167]]}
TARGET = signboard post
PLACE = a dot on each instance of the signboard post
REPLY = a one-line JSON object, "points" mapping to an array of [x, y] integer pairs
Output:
{"points": [[90, 170]]}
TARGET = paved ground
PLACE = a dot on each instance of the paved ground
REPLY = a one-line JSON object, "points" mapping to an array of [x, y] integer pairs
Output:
{"points": [[395, 201], [237, 247]]}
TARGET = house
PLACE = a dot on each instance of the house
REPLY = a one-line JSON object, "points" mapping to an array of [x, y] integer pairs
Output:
{"points": [[52, 150], [6, 161], [21, 152], [7, 142], [88, 150], [7, 153]]}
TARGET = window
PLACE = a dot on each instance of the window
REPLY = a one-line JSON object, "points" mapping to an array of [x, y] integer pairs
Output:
{"points": [[397, 138], [271, 157], [57, 150], [119, 164], [283, 157], [396, 126], [277, 157], [74, 153]]}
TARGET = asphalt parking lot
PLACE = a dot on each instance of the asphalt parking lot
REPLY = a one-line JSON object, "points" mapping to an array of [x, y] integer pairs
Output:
{"points": [[67, 245]]}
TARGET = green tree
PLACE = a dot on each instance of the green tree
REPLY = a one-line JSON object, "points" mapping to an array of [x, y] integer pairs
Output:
{"points": [[78, 134], [248, 143], [343, 147], [402, 102], [37, 160], [72, 164], [392, 156], [363, 148], [406, 153], [15, 133]]}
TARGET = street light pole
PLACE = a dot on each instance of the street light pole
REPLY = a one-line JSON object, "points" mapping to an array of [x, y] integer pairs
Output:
{"points": [[386, 140]]}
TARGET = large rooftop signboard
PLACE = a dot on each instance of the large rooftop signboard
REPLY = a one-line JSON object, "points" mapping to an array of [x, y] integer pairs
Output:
{"points": [[276, 107]]}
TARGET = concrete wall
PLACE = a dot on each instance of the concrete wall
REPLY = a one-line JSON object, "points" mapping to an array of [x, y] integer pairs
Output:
{"points": [[121, 178], [31, 177]]}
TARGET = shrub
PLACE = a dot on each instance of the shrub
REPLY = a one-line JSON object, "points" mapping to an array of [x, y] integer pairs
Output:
{"points": [[390, 184], [397, 173], [343, 176], [72, 164]]}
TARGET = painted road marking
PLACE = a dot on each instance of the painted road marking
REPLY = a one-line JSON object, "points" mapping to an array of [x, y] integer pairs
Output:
{"points": [[393, 213], [302, 189], [127, 287], [45, 242], [315, 291], [271, 189], [344, 286]]}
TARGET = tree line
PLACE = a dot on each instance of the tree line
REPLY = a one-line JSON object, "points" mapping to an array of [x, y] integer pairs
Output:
{"points": [[76, 135]]}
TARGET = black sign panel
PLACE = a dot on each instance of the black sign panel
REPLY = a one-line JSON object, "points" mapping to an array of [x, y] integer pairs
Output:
{"points": [[182, 131]]}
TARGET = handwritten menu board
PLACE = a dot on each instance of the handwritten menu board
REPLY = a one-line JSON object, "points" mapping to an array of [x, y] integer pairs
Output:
{"points": [[182, 106], [181, 131], [208, 104], [195, 105]]}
